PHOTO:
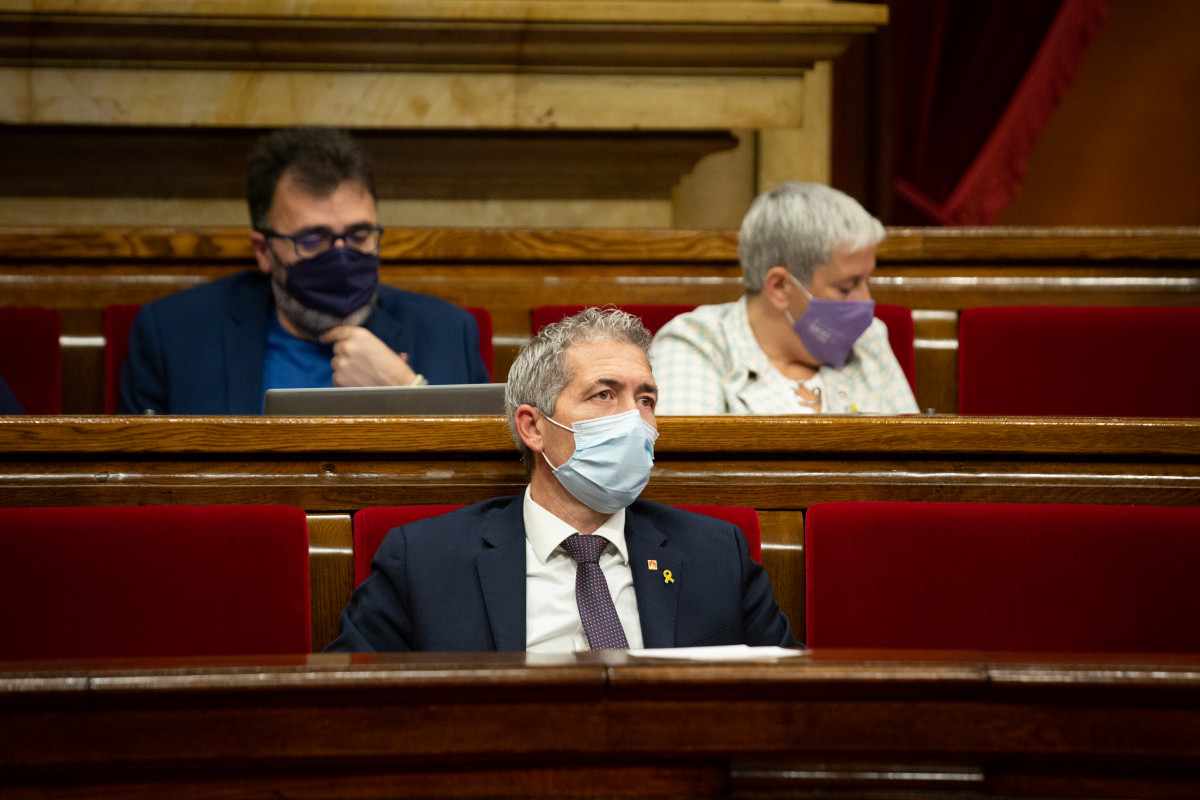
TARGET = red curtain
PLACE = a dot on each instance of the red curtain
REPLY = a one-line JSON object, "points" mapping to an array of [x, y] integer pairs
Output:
{"points": [[973, 84]]}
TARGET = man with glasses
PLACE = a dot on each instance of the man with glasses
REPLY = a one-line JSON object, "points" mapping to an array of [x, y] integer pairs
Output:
{"points": [[313, 314]]}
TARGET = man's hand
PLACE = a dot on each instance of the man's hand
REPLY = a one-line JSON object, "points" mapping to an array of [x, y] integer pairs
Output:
{"points": [[361, 359]]}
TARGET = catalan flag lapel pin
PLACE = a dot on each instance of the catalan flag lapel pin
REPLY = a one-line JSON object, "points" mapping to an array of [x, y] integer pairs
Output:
{"points": [[651, 564]]}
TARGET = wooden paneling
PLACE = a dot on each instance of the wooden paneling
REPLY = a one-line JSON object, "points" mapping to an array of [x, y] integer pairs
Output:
{"points": [[936, 272], [880, 724], [778, 465], [331, 572]]}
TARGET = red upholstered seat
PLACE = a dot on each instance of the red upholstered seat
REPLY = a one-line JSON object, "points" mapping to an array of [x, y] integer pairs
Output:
{"points": [[993, 576], [31, 358], [745, 518], [897, 318], [901, 338], [153, 581], [118, 319], [1079, 361], [371, 525]]}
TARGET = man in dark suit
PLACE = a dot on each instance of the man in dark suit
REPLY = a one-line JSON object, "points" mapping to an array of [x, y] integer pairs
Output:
{"points": [[503, 574], [313, 314]]}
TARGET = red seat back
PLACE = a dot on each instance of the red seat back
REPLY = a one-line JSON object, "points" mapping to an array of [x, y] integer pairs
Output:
{"points": [[1079, 361], [31, 357], [118, 319], [897, 318], [901, 337], [745, 518], [128, 581], [371, 525], [993, 576]]}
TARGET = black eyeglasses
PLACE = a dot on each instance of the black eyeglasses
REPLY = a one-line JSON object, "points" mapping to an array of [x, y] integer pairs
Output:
{"points": [[310, 243]]}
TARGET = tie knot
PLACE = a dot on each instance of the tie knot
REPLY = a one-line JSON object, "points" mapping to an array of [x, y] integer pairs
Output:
{"points": [[584, 549]]}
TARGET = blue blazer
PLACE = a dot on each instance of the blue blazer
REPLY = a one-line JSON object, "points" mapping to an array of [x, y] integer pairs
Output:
{"points": [[9, 404], [457, 583], [200, 351]]}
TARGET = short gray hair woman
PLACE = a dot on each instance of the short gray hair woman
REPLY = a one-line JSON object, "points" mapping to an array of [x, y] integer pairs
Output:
{"points": [[801, 226], [803, 338]]}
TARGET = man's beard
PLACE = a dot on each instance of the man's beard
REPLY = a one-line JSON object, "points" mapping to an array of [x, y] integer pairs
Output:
{"points": [[311, 323]]}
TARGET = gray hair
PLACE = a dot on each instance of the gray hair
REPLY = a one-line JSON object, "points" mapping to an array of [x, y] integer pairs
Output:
{"points": [[800, 226], [539, 372]]}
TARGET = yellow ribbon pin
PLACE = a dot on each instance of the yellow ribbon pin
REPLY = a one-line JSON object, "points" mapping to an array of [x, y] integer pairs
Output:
{"points": [[667, 576]]}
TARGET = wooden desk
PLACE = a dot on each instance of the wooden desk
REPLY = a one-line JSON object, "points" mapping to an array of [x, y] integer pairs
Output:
{"points": [[841, 723], [333, 466]]}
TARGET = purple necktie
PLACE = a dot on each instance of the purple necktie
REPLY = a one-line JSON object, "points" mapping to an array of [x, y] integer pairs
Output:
{"points": [[600, 621]]}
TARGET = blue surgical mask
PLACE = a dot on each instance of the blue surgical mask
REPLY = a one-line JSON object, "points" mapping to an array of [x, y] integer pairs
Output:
{"points": [[338, 281], [829, 328], [611, 463]]}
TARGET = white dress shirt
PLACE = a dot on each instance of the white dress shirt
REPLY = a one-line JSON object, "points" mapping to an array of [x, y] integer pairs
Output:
{"points": [[552, 623], [815, 386]]}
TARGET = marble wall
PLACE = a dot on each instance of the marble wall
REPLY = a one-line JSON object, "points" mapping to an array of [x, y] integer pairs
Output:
{"points": [[650, 114]]}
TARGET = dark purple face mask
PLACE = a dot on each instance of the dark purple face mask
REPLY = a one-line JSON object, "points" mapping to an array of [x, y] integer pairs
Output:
{"points": [[339, 281], [829, 328]]}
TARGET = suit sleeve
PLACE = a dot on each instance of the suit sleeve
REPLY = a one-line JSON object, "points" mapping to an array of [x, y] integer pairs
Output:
{"points": [[143, 375], [9, 404], [476, 369], [442, 340], [377, 618], [764, 624]]}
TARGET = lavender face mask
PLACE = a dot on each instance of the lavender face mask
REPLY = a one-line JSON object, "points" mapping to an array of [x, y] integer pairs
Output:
{"points": [[829, 328]]}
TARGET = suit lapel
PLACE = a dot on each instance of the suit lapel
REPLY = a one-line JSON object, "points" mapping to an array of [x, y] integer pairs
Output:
{"points": [[501, 569], [391, 325], [651, 557]]}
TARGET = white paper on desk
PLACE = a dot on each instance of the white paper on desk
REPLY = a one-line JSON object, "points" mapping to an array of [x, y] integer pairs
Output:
{"points": [[732, 652]]}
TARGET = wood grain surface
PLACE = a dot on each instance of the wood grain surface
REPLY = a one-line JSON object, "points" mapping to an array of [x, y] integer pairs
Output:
{"points": [[885, 724], [936, 272], [333, 466]]}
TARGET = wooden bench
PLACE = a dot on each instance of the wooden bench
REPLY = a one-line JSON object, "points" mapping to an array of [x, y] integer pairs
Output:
{"points": [[935, 271], [332, 466]]}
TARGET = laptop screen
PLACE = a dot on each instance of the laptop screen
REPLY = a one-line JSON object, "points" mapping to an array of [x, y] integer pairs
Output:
{"points": [[458, 398]]}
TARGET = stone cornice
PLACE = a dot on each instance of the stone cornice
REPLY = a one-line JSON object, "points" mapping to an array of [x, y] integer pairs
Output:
{"points": [[734, 37]]}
